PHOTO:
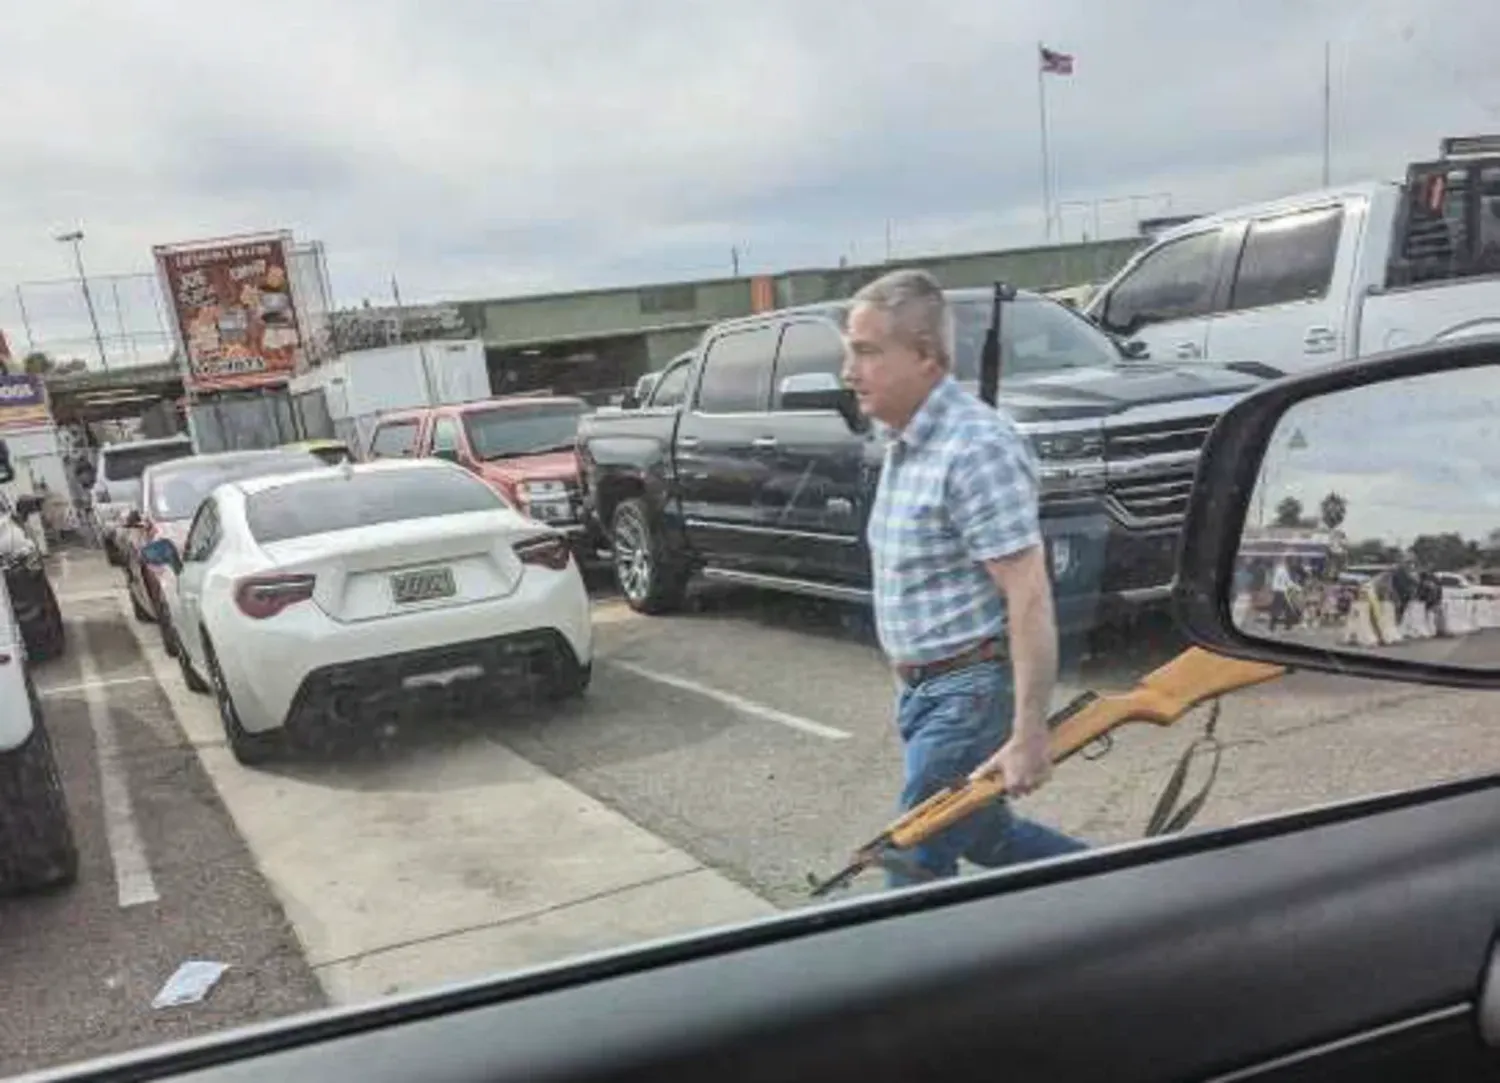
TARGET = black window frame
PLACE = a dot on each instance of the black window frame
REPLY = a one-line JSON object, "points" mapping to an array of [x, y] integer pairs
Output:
{"points": [[685, 366]]}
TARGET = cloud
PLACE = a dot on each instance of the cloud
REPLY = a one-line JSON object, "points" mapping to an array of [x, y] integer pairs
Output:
{"points": [[1411, 456], [484, 147]]}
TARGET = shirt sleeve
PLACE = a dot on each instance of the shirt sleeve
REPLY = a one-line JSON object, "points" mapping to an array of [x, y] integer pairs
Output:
{"points": [[992, 496]]}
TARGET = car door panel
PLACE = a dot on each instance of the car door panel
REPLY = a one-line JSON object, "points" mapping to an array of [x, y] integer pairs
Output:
{"points": [[1339, 944], [720, 450]]}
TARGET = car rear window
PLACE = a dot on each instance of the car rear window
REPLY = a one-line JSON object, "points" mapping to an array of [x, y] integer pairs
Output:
{"points": [[345, 501], [126, 463]]}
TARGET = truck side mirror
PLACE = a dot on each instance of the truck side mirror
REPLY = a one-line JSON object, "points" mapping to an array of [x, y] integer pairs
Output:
{"points": [[7, 472], [821, 391]]}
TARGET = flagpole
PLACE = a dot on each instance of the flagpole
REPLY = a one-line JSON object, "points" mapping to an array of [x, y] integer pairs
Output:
{"points": [[1327, 110], [1041, 97]]}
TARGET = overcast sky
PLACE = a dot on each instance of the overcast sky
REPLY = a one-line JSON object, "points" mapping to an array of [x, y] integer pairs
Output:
{"points": [[1413, 456], [492, 147]]}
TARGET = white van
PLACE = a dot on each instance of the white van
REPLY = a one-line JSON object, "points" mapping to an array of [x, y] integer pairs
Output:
{"points": [[1319, 278], [117, 483]]}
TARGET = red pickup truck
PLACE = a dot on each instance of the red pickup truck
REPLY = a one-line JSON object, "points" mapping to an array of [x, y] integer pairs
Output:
{"points": [[524, 446]]}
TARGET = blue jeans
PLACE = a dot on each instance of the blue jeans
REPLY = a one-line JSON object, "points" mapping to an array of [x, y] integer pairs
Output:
{"points": [[949, 725]]}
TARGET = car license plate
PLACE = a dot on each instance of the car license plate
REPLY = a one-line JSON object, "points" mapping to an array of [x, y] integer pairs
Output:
{"points": [[422, 585]]}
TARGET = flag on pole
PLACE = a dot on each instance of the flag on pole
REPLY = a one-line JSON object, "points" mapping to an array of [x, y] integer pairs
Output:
{"points": [[1055, 63]]}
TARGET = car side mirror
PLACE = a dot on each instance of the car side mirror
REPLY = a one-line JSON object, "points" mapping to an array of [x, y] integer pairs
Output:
{"points": [[1309, 545], [7, 471], [162, 553], [1135, 350], [822, 391]]}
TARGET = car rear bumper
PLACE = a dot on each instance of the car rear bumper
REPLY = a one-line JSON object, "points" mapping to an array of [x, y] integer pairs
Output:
{"points": [[267, 664]]}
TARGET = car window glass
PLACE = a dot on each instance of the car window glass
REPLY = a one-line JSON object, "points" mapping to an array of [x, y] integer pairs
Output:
{"points": [[807, 346], [203, 534], [177, 491], [394, 439], [1036, 336], [1174, 282], [1287, 258], [367, 499], [445, 436], [510, 431], [737, 372], [672, 386], [126, 463]]}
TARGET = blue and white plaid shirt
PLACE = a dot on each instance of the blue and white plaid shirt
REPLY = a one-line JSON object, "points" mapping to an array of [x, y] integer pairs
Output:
{"points": [[958, 487]]}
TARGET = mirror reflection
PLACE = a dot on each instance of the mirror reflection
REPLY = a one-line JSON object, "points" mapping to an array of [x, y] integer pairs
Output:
{"points": [[1375, 523]]}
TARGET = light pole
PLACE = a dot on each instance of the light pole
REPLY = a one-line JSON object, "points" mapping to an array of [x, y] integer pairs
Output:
{"points": [[75, 238]]}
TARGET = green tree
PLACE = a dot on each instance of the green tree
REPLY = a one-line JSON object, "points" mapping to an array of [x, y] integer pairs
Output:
{"points": [[1289, 512], [37, 363], [1442, 552], [1333, 509]]}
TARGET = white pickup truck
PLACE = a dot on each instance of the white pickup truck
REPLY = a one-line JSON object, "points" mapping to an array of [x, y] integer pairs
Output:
{"points": [[1315, 279]]}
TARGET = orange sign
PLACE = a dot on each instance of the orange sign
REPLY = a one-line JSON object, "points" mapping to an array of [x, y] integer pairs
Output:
{"points": [[236, 320], [762, 293]]}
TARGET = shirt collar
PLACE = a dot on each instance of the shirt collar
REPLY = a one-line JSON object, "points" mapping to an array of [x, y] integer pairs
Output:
{"points": [[929, 415]]}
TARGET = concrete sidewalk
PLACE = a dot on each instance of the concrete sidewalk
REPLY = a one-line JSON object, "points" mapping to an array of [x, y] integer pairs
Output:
{"points": [[446, 860]]}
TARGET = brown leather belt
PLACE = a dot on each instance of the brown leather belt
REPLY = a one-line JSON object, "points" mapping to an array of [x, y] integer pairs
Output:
{"points": [[985, 650]]}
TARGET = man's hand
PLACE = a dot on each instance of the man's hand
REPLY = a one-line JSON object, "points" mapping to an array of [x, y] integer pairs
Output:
{"points": [[1024, 762]]}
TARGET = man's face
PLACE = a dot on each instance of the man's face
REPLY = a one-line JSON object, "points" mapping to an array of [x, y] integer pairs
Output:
{"points": [[889, 377]]}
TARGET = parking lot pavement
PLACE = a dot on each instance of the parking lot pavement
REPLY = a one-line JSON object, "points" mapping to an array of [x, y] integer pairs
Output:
{"points": [[164, 877], [720, 756], [705, 728]]}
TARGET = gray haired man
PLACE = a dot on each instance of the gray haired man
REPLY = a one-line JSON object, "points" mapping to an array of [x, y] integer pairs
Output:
{"points": [[963, 602]]}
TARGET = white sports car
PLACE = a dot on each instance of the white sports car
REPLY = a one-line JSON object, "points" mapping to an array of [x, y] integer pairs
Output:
{"points": [[333, 598]]}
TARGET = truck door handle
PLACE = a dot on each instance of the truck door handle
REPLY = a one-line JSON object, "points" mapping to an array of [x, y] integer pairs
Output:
{"points": [[687, 441], [763, 443], [1319, 340]]}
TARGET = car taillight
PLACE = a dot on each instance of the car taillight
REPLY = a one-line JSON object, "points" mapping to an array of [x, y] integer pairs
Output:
{"points": [[262, 596], [545, 552]]}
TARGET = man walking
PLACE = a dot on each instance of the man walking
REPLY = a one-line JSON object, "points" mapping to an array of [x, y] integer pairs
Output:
{"points": [[963, 602]]}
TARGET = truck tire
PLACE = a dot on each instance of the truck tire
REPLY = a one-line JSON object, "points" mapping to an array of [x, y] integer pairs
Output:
{"points": [[37, 848], [652, 578]]}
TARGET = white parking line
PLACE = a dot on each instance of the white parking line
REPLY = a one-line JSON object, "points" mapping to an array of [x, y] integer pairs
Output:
{"points": [[84, 686], [133, 877], [738, 703]]}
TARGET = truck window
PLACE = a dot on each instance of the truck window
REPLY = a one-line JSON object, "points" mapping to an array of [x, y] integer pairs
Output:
{"points": [[1287, 258], [807, 346], [737, 372], [1174, 282], [1434, 244], [671, 388], [393, 440]]}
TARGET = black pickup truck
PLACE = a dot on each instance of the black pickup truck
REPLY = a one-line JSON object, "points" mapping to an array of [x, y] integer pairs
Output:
{"points": [[747, 464]]}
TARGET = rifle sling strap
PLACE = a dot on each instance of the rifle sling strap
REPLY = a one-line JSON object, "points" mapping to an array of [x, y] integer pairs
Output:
{"points": [[1168, 817]]}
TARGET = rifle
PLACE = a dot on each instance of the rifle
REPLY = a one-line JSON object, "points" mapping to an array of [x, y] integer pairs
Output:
{"points": [[989, 354], [1161, 697]]}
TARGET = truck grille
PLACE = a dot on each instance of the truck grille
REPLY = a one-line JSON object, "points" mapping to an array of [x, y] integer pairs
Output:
{"points": [[1158, 438], [1153, 499]]}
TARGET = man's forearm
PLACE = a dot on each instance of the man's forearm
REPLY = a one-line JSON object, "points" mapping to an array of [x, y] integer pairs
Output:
{"points": [[1033, 649]]}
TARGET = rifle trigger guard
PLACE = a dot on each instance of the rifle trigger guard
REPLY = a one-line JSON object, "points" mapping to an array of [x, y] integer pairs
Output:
{"points": [[1099, 747]]}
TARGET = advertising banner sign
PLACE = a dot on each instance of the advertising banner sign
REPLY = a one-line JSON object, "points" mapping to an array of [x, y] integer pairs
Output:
{"points": [[234, 313], [23, 402]]}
